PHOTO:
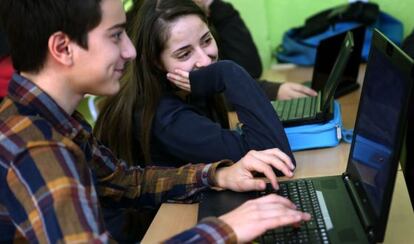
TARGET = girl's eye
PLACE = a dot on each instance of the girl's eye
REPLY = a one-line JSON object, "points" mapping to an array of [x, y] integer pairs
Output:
{"points": [[184, 55], [207, 41]]}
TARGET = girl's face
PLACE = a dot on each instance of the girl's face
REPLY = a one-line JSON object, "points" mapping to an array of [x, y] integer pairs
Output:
{"points": [[190, 45]]}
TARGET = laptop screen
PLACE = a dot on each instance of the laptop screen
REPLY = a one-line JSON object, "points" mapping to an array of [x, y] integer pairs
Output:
{"points": [[379, 128], [337, 70], [326, 54]]}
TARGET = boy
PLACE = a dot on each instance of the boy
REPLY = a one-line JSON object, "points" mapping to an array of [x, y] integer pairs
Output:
{"points": [[52, 169]]}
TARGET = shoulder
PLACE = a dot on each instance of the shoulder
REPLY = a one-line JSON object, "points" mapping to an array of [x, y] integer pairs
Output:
{"points": [[20, 134], [171, 108]]}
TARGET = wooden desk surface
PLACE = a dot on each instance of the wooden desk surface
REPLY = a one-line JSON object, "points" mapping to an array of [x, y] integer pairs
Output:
{"points": [[174, 218]]}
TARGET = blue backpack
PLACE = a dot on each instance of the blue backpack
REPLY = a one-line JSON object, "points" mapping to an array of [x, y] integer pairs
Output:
{"points": [[299, 44]]}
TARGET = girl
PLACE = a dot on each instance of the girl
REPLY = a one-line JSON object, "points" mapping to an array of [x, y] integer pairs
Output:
{"points": [[170, 109]]}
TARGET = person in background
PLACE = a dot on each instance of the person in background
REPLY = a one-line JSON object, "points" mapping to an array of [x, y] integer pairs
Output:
{"points": [[6, 67], [53, 170], [236, 43]]}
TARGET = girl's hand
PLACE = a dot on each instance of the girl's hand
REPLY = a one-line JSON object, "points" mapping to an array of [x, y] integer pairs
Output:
{"points": [[180, 78]]}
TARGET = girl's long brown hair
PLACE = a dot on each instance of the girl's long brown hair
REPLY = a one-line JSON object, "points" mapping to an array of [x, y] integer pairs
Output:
{"points": [[142, 84]]}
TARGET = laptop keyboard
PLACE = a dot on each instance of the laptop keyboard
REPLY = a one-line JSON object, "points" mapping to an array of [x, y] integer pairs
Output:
{"points": [[303, 194], [304, 107]]}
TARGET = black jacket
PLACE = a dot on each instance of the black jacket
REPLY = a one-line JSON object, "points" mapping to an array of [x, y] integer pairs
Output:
{"points": [[236, 43]]}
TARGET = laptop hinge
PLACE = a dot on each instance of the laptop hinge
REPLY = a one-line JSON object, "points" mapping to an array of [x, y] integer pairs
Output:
{"points": [[359, 206]]}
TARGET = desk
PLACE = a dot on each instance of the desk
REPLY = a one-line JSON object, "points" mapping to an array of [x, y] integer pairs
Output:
{"points": [[174, 218]]}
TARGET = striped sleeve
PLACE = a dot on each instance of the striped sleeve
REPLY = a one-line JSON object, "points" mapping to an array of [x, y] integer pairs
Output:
{"points": [[210, 230], [52, 197], [151, 186]]}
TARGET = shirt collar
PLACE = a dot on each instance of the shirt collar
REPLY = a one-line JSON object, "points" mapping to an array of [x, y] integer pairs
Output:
{"points": [[38, 102]]}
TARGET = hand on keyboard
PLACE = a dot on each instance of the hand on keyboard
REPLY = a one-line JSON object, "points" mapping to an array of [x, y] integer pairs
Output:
{"points": [[240, 176], [256, 216], [303, 194]]}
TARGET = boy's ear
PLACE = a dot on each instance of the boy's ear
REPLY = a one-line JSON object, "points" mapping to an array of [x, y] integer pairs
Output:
{"points": [[60, 48]]}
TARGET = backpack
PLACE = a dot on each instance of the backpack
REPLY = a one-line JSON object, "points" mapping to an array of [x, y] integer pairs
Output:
{"points": [[299, 44]]}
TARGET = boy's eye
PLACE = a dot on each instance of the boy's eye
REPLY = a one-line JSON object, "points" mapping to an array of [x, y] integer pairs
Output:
{"points": [[117, 35]]}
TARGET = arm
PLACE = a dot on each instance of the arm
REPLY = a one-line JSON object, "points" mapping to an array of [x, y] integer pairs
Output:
{"points": [[195, 138], [126, 186], [54, 184], [254, 217], [285, 90], [271, 89], [209, 230], [245, 223], [233, 37]]}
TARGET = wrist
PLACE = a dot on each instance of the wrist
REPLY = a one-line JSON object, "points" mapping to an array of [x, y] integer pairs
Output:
{"points": [[221, 177], [279, 92]]}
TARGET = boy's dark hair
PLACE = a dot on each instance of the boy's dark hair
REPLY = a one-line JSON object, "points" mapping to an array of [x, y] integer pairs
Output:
{"points": [[29, 24]]}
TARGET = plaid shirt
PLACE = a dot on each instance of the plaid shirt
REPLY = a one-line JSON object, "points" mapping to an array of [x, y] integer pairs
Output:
{"points": [[52, 169]]}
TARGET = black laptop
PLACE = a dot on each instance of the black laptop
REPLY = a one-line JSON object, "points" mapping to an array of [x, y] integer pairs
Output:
{"points": [[326, 54], [352, 207], [407, 162], [318, 109]]}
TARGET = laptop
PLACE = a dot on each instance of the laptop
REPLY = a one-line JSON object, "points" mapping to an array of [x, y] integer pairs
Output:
{"points": [[326, 53], [352, 207], [407, 167], [318, 109], [407, 164]]}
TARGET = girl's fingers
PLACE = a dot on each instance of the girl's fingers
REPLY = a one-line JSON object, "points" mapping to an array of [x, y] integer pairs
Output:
{"points": [[177, 78], [182, 73]]}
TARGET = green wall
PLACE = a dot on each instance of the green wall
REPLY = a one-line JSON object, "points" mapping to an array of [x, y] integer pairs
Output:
{"points": [[269, 19]]}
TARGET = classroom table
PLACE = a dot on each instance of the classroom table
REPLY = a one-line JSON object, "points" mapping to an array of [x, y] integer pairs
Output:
{"points": [[174, 218]]}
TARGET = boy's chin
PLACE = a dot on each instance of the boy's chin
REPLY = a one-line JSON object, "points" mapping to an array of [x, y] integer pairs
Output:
{"points": [[110, 91]]}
